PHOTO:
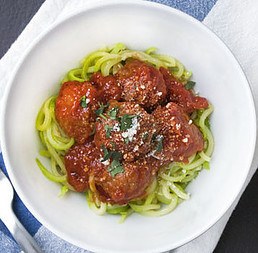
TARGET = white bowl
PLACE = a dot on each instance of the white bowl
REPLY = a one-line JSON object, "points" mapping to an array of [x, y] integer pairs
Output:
{"points": [[139, 25]]}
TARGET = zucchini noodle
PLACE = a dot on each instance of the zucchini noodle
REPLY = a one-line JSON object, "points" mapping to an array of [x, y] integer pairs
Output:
{"points": [[169, 188], [55, 143], [109, 60]]}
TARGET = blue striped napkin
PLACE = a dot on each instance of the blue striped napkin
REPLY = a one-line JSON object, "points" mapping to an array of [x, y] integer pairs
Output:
{"points": [[224, 17]]}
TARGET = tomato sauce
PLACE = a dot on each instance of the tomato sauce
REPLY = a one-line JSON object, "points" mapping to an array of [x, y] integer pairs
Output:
{"points": [[126, 126], [76, 120], [178, 94]]}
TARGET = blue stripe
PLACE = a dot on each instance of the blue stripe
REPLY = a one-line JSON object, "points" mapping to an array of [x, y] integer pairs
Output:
{"points": [[198, 9], [23, 214], [2, 226]]}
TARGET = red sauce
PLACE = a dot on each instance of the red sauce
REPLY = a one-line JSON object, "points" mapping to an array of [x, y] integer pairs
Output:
{"points": [[181, 137], [146, 106], [137, 143], [77, 121], [107, 86], [142, 83], [178, 94], [78, 163], [131, 184]]}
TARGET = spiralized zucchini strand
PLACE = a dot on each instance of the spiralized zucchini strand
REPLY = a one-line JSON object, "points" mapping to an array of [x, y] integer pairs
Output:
{"points": [[54, 140], [108, 61]]}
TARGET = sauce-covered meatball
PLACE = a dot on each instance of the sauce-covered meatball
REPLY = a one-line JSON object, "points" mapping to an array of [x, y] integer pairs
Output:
{"points": [[107, 86], [127, 128], [142, 83], [126, 186], [79, 161], [178, 94], [178, 138], [75, 109], [86, 169]]}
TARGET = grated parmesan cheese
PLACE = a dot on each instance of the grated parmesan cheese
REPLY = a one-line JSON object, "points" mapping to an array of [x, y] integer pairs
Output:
{"points": [[105, 162], [129, 133], [116, 127]]}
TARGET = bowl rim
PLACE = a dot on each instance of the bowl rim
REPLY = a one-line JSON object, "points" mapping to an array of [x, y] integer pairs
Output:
{"points": [[94, 5]]}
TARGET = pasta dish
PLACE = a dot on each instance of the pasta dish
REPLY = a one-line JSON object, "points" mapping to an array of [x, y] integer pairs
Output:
{"points": [[127, 130]]}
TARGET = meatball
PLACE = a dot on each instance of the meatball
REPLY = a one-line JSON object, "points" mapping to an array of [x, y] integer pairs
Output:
{"points": [[129, 185], [178, 94], [75, 109], [87, 169], [142, 83], [107, 86], [79, 161], [178, 138], [126, 128]]}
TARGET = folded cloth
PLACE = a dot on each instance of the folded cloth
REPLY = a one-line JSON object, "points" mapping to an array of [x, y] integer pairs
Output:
{"points": [[225, 17]]}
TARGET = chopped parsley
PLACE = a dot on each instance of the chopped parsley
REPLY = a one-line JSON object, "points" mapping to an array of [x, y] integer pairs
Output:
{"points": [[110, 154], [116, 155], [113, 144], [159, 140], [108, 129], [107, 154], [189, 85], [145, 136], [101, 110], [126, 140], [84, 101], [126, 121], [113, 112], [115, 168], [154, 136]]}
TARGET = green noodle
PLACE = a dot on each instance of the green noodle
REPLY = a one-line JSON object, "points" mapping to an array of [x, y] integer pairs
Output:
{"points": [[108, 61], [169, 189]]}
